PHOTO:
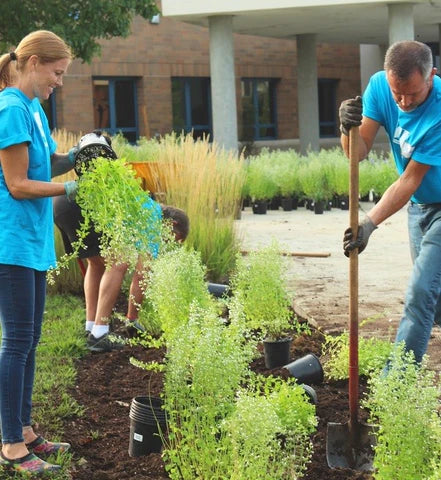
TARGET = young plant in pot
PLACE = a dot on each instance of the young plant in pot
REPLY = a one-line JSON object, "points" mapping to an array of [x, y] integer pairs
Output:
{"points": [[289, 185], [260, 184], [259, 285], [315, 183], [176, 284]]}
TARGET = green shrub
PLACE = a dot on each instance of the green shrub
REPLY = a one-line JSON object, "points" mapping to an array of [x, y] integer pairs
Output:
{"points": [[404, 405], [206, 363], [372, 355], [286, 166], [384, 174], [270, 431], [259, 285], [261, 184], [314, 179], [175, 285]]}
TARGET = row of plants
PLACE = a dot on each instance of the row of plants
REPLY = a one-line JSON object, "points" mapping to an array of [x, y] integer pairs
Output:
{"points": [[319, 175]]}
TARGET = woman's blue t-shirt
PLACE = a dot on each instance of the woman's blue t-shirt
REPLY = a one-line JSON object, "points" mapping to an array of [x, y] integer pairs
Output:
{"points": [[413, 135], [26, 226]]}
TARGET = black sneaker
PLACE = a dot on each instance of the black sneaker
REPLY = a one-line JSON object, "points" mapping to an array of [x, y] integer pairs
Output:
{"points": [[103, 344], [134, 328]]}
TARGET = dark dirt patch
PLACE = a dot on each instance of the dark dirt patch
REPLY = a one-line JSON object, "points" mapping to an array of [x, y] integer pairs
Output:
{"points": [[106, 384]]}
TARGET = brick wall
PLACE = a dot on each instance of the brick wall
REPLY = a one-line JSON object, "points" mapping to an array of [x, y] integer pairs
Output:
{"points": [[155, 53]]}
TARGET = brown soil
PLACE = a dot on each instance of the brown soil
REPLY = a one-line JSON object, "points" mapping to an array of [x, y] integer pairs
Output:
{"points": [[107, 383]]}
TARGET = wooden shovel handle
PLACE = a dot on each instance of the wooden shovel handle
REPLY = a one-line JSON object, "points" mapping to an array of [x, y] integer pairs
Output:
{"points": [[353, 276]]}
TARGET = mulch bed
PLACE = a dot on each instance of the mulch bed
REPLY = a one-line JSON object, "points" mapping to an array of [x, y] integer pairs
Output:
{"points": [[107, 383]]}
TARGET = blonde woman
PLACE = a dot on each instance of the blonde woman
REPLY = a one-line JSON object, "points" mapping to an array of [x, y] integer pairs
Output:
{"points": [[28, 75]]}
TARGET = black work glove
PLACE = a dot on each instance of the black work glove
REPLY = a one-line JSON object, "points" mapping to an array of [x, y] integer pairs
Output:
{"points": [[350, 113], [365, 228]]}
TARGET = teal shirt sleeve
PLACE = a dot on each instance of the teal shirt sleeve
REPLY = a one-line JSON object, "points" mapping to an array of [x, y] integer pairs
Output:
{"points": [[14, 126]]}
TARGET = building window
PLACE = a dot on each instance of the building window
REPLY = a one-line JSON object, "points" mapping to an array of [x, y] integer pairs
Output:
{"points": [[258, 109], [115, 106], [49, 107], [327, 93], [192, 106]]}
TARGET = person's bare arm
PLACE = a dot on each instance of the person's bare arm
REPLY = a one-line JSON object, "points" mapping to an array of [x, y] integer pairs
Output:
{"points": [[399, 193], [368, 131], [15, 163]]}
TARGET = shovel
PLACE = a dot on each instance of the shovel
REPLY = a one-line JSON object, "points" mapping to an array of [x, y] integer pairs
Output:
{"points": [[349, 445]]}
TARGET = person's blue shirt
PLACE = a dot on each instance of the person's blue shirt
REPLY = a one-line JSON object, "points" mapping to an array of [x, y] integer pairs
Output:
{"points": [[413, 135], [152, 234], [26, 226]]}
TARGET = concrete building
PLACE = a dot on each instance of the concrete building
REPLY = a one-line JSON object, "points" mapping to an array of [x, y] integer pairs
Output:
{"points": [[310, 23], [239, 71]]}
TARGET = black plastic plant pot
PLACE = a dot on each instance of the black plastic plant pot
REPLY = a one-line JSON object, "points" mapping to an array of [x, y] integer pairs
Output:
{"points": [[310, 394], [306, 369], [319, 207], [218, 290], [260, 207], [287, 204], [147, 425], [277, 352], [344, 202], [91, 146]]}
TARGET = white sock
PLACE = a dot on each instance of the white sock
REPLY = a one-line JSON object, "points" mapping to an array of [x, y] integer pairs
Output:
{"points": [[99, 330], [89, 325]]}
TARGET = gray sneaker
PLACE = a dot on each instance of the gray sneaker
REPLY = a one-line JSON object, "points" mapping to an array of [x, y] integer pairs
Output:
{"points": [[134, 328], [103, 344]]}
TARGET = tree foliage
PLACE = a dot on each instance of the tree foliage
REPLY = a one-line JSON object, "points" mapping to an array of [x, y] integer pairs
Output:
{"points": [[82, 23]]}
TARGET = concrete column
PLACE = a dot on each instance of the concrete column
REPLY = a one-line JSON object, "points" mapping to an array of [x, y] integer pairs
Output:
{"points": [[223, 88], [371, 61], [307, 91], [437, 60], [400, 22]]}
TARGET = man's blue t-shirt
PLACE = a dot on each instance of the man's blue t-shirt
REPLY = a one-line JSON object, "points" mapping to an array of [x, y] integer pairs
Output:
{"points": [[413, 135], [26, 226]]}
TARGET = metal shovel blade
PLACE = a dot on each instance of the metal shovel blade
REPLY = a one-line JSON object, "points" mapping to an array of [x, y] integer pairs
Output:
{"points": [[347, 449]]}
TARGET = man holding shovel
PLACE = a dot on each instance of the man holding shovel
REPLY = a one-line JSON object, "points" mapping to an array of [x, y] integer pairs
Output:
{"points": [[405, 98]]}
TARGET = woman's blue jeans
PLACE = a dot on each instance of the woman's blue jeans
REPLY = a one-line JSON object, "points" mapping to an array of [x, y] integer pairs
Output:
{"points": [[22, 297], [422, 306]]}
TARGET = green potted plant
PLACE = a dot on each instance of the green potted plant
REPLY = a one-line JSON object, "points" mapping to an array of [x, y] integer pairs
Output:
{"points": [[258, 284], [175, 284], [111, 199], [270, 431], [384, 175], [260, 184], [338, 168], [404, 407], [206, 364], [288, 182], [315, 183]]}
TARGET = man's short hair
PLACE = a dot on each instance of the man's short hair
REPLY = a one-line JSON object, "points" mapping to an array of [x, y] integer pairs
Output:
{"points": [[405, 57]]}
